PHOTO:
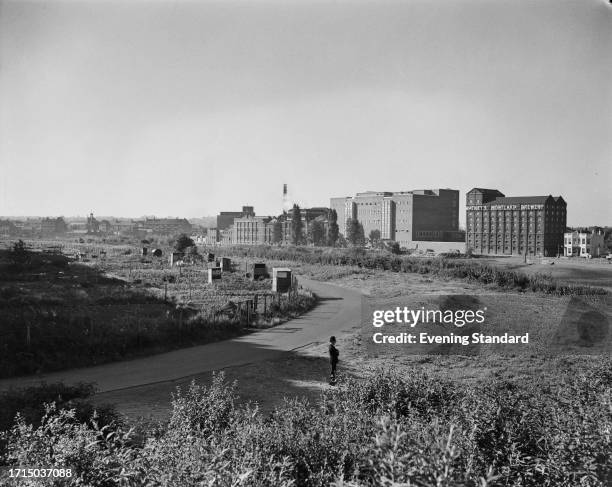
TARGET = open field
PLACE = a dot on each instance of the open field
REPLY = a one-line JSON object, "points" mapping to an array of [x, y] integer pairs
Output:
{"points": [[588, 272]]}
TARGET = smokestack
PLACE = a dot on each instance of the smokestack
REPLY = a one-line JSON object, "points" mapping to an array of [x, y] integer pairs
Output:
{"points": [[286, 203]]}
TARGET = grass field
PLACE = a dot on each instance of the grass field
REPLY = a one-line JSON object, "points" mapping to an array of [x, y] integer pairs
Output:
{"points": [[591, 272]]}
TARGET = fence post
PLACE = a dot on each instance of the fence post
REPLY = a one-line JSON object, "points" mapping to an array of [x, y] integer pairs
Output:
{"points": [[137, 326]]}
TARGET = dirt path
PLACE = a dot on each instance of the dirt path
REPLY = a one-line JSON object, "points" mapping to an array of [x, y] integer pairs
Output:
{"points": [[338, 310]]}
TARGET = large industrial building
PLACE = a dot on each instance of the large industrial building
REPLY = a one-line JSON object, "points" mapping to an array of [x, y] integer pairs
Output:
{"points": [[406, 217], [225, 219], [531, 225]]}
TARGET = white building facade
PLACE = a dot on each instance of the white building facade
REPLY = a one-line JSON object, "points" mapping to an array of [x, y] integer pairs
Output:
{"points": [[588, 243]]}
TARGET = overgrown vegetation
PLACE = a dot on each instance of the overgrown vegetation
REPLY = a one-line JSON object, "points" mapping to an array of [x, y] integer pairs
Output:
{"points": [[442, 266], [31, 405], [386, 430]]}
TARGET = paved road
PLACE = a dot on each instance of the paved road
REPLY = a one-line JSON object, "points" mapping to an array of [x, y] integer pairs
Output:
{"points": [[338, 310]]}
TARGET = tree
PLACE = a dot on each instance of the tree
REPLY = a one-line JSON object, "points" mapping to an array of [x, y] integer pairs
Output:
{"points": [[394, 248], [360, 234], [354, 232], [182, 242], [316, 233], [333, 230], [374, 237], [296, 226], [192, 255], [19, 253], [277, 232], [351, 230]]}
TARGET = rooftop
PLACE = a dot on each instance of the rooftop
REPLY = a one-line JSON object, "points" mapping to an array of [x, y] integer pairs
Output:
{"points": [[513, 200]]}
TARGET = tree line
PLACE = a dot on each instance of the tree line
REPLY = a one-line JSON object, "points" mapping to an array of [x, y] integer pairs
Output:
{"points": [[315, 234], [319, 235]]}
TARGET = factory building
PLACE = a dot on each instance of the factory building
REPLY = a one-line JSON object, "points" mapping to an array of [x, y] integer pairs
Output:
{"points": [[406, 217], [252, 230], [523, 225], [225, 219]]}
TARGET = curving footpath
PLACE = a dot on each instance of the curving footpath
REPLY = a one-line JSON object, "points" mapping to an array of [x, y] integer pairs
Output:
{"points": [[339, 309]]}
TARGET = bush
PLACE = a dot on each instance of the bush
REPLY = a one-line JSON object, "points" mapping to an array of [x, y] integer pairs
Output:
{"points": [[183, 242], [19, 254], [30, 403], [383, 430]]}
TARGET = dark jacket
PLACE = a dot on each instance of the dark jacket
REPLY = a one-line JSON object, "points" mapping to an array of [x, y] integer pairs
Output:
{"points": [[333, 353]]}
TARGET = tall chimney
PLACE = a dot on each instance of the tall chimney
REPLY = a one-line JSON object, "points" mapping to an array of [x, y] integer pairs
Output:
{"points": [[286, 203]]}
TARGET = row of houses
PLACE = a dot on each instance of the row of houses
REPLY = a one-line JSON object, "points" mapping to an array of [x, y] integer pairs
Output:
{"points": [[587, 242], [51, 227], [33, 227]]}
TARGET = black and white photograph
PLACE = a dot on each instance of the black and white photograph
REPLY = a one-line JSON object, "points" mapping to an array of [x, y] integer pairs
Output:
{"points": [[306, 243]]}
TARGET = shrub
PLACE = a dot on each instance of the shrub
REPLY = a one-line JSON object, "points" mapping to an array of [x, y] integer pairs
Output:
{"points": [[182, 242], [30, 403], [382, 430]]}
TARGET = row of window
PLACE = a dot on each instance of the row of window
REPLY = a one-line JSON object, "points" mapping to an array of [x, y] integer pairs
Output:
{"points": [[507, 248]]}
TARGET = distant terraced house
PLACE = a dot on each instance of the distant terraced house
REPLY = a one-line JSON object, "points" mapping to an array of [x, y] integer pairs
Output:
{"points": [[165, 226], [7, 228], [53, 226]]}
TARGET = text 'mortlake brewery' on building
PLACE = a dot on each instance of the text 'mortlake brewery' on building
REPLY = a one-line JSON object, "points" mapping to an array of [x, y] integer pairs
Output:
{"points": [[518, 225]]}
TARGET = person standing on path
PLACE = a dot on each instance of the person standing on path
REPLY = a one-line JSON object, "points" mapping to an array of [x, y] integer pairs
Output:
{"points": [[333, 358]]}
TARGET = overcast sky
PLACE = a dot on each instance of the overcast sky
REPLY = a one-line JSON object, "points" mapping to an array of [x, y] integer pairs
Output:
{"points": [[187, 108]]}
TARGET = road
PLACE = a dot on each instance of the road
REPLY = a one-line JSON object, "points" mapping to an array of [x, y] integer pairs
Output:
{"points": [[339, 309]]}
